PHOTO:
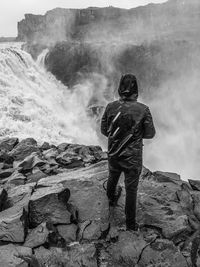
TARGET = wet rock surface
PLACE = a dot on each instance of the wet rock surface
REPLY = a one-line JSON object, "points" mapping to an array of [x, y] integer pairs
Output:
{"points": [[60, 216]]}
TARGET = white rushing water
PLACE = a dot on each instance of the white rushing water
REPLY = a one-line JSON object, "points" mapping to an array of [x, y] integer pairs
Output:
{"points": [[34, 104]]}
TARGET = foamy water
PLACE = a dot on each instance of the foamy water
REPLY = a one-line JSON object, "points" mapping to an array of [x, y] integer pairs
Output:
{"points": [[34, 104]]}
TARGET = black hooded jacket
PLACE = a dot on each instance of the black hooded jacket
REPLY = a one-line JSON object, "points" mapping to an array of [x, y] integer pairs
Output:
{"points": [[126, 122]]}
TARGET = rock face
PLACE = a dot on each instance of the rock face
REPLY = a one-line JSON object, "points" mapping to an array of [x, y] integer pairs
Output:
{"points": [[64, 219], [101, 43]]}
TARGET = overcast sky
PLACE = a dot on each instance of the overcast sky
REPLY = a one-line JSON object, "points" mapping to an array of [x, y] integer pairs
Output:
{"points": [[12, 11]]}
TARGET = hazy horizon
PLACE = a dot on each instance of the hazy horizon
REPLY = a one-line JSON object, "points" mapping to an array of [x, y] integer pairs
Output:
{"points": [[12, 12]]}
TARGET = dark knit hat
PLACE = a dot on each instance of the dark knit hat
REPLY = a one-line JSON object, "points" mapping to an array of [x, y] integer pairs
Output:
{"points": [[128, 86]]}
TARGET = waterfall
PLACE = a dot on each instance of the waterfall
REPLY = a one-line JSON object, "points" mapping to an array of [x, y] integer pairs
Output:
{"points": [[34, 104]]}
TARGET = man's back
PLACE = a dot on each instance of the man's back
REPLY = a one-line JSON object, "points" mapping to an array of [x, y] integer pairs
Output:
{"points": [[126, 123]]}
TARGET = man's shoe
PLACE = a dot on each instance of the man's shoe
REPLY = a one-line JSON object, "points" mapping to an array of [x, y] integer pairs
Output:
{"points": [[135, 227], [113, 202]]}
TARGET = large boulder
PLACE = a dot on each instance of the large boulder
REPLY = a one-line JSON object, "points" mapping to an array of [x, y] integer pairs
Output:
{"points": [[8, 144], [30, 162], [49, 204], [12, 256], [162, 252], [13, 224], [126, 252], [19, 196], [159, 207], [166, 177], [25, 148], [87, 191]]}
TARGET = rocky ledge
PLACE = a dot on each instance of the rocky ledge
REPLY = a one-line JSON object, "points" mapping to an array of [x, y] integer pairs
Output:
{"points": [[54, 211]]}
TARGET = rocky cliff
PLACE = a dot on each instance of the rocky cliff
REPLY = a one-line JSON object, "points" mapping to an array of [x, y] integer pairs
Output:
{"points": [[149, 41], [54, 211]]}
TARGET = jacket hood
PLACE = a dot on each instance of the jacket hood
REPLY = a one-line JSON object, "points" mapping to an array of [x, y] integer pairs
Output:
{"points": [[128, 86]]}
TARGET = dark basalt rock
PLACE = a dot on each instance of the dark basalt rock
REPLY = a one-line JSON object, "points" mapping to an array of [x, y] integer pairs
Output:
{"points": [[6, 173], [3, 197], [69, 160], [126, 252], [36, 175], [6, 158], [15, 179], [164, 177], [45, 146], [30, 162], [195, 184], [13, 224], [19, 196], [49, 204], [41, 213], [162, 252], [62, 147], [12, 256], [8, 144], [25, 148], [68, 232], [37, 236]]}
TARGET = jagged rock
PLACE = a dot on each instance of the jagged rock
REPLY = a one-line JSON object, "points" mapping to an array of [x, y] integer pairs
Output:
{"points": [[185, 199], [196, 204], [69, 160], [164, 177], [16, 179], [82, 255], [77, 255], [159, 207], [37, 236], [30, 162], [13, 224], [176, 226], [8, 144], [50, 258], [3, 197], [45, 233], [87, 192], [195, 184], [162, 252], [6, 158], [95, 230], [25, 148], [11, 256], [49, 204], [45, 146], [62, 147], [51, 168], [145, 174], [54, 238], [6, 173], [126, 252], [19, 196], [51, 153], [68, 232], [36, 175]]}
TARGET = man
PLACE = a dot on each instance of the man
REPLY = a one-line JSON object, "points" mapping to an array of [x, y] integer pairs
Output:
{"points": [[126, 122]]}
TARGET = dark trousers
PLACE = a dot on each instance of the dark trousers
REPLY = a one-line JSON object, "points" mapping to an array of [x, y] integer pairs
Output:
{"points": [[131, 186]]}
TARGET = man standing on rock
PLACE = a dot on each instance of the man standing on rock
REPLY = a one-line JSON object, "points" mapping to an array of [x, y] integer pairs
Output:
{"points": [[126, 122]]}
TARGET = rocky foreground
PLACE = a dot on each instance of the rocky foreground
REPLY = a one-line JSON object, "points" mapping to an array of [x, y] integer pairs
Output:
{"points": [[54, 211]]}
